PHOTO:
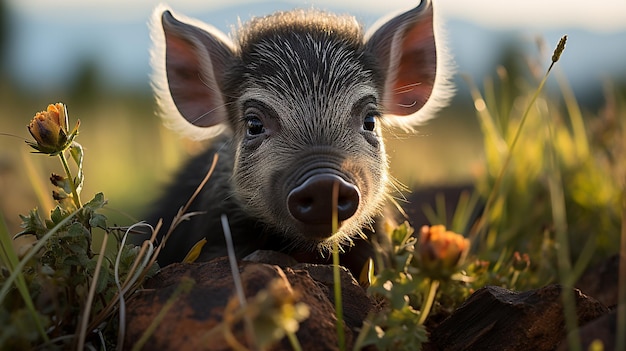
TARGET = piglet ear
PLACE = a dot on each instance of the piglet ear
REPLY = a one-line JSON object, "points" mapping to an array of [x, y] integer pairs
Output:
{"points": [[411, 58], [189, 60]]}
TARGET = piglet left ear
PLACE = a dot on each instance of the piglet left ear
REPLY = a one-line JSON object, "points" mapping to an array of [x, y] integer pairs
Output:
{"points": [[412, 64], [189, 61]]}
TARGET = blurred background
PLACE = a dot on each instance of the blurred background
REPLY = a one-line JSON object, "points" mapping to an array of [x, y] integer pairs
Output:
{"points": [[94, 57]]}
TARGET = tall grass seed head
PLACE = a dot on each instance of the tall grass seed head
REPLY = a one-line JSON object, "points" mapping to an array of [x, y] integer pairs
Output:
{"points": [[559, 49], [440, 252], [50, 131]]}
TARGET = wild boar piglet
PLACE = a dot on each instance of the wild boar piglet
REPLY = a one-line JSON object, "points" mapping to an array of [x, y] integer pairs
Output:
{"points": [[295, 105]]}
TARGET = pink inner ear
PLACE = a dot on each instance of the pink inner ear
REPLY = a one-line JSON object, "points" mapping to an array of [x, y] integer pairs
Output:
{"points": [[416, 70], [196, 96]]}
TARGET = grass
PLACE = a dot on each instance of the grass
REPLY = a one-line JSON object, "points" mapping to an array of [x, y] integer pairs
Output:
{"points": [[552, 178], [553, 197], [546, 184]]}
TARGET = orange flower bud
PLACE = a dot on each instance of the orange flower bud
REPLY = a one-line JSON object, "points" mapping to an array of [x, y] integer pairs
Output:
{"points": [[441, 252], [49, 129], [521, 262]]}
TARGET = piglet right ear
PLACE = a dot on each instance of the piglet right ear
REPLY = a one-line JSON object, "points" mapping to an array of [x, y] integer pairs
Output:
{"points": [[414, 65], [189, 60]]}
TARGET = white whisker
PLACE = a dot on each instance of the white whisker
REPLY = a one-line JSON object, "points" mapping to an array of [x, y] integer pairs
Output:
{"points": [[406, 88], [195, 120], [409, 105]]}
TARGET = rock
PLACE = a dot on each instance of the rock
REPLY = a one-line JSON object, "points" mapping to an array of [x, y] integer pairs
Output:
{"points": [[602, 281], [492, 318], [495, 318], [271, 257], [202, 308], [353, 297], [602, 329]]}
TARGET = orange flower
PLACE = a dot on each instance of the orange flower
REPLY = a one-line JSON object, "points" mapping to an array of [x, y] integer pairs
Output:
{"points": [[441, 252], [49, 129]]}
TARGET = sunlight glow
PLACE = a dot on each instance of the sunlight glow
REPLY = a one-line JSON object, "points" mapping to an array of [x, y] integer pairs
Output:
{"points": [[609, 16]]}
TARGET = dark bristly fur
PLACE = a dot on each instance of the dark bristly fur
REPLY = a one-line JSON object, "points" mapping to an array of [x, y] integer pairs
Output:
{"points": [[298, 101], [216, 198]]}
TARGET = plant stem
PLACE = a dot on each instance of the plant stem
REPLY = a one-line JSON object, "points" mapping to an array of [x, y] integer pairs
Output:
{"points": [[234, 269], [293, 340], [338, 302], [82, 334], [514, 278], [620, 338], [559, 217], [336, 271], [428, 301], [71, 180], [491, 199]]}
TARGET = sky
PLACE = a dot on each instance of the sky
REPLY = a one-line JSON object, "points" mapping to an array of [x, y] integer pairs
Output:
{"points": [[602, 15], [51, 38]]}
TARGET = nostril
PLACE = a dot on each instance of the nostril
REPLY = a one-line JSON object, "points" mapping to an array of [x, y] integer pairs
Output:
{"points": [[344, 203], [304, 204]]}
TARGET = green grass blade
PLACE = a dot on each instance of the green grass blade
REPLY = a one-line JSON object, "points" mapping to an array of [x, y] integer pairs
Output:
{"points": [[336, 271], [466, 205], [620, 338], [9, 258], [575, 115], [20, 265]]}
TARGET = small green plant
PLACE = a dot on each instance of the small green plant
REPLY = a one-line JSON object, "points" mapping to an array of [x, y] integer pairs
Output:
{"points": [[417, 271], [429, 275], [51, 294]]}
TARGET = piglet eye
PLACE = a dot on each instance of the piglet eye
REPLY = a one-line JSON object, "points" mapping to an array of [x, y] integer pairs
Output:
{"points": [[255, 126], [369, 121]]}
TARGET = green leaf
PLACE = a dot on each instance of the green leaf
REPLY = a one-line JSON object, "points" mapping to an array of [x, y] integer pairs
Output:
{"points": [[104, 278], [96, 203], [32, 224], [56, 215], [98, 221], [79, 250], [71, 261], [105, 275], [401, 234], [10, 260], [76, 151], [77, 230]]}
